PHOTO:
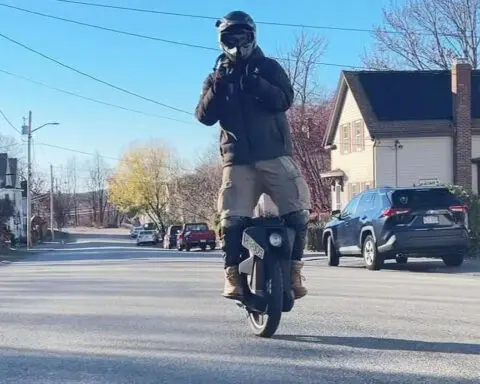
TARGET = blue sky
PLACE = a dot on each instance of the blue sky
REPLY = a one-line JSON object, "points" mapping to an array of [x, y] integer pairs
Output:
{"points": [[168, 73]]}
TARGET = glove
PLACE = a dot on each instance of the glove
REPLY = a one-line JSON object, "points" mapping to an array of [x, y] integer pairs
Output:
{"points": [[220, 83], [251, 83], [251, 80]]}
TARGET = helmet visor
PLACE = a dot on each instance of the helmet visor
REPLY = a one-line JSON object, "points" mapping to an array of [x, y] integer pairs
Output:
{"points": [[236, 38]]}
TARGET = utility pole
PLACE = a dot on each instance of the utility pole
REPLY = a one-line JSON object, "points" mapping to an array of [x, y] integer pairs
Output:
{"points": [[29, 176], [51, 202], [27, 130]]}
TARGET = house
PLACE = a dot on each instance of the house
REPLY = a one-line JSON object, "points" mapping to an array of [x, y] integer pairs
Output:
{"points": [[404, 128], [10, 188]]}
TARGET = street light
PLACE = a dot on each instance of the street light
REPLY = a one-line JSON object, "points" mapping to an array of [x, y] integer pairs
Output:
{"points": [[27, 130]]}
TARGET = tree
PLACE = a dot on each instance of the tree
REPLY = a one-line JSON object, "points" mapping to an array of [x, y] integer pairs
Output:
{"points": [[72, 184], [308, 124], [309, 116], [97, 184], [197, 192], [426, 34], [144, 181]]}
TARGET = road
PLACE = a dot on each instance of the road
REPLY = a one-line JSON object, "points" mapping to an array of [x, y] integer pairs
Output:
{"points": [[105, 311]]}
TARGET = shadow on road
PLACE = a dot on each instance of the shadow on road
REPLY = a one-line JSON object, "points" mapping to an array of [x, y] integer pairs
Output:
{"points": [[386, 344], [421, 266], [107, 236], [28, 365]]}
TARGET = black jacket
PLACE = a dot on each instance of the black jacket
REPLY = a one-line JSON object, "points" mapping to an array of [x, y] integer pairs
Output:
{"points": [[251, 115]]}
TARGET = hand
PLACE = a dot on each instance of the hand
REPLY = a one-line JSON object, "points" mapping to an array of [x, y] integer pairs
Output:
{"points": [[220, 82], [250, 83]]}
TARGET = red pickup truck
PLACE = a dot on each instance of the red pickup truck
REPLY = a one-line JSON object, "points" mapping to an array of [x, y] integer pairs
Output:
{"points": [[195, 235]]}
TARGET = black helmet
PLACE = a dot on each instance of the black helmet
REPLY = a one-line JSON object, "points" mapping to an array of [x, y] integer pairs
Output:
{"points": [[237, 35]]}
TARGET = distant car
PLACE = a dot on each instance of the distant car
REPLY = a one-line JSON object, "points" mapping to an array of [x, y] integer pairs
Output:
{"points": [[134, 231], [147, 237], [395, 223], [195, 235], [170, 238]]}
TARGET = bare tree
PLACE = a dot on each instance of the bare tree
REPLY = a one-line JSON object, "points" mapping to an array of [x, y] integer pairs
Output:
{"points": [[300, 63], [309, 115], [426, 34], [72, 183], [97, 184], [9, 145], [197, 192]]}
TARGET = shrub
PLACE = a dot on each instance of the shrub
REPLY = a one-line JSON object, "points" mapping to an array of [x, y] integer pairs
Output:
{"points": [[472, 200], [315, 232], [314, 237]]}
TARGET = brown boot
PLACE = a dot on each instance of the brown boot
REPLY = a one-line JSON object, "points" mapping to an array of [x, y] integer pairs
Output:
{"points": [[297, 278], [232, 287]]}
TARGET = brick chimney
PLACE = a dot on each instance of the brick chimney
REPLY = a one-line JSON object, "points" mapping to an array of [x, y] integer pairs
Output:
{"points": [[462, 118]]}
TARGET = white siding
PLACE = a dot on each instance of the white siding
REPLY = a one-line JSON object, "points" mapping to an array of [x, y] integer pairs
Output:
{"points": [[420, 158], [475, 154], [358, 166]]}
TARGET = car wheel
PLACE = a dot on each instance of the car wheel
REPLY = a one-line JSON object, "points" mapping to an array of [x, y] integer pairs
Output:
{"points": [[373, 260], [454, 260], [333, 258], [187, 247], [401, 259], [203, 248]]}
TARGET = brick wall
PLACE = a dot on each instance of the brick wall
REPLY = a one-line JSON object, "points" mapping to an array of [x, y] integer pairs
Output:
{"points": [[461, 92]]}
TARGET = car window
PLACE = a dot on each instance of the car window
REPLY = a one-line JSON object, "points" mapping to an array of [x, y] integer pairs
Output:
{"points": [[423, 198], [350, 209], [366, 202], [196, 227]]}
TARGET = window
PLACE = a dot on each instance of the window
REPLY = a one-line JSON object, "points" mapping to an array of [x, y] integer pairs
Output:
{"points": [[358, 138], [338, 197], [345, 138], [353, 190], [367, 185]]}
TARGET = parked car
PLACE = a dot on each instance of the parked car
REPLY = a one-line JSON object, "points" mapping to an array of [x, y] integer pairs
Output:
{"points": [[147, 237], [134, 231], [397, 223], [170, 238], [196, 235]]}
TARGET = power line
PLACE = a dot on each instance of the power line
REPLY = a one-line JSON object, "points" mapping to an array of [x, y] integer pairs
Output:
{"points": [[91, 99], [9, 122], [149, 37], [77, 151], [271, 23], [108, 29], [93, 77], [103, 156]]}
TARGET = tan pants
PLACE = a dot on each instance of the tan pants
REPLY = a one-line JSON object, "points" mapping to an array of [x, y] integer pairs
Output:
{"points": [[280, 178]]}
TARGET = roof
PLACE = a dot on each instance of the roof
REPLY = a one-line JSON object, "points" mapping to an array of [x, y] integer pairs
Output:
{"points": [[408, 95], [390, 96]]}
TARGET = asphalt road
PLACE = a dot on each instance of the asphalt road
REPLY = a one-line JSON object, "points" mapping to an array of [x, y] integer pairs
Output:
{"points": [[105, 311]]}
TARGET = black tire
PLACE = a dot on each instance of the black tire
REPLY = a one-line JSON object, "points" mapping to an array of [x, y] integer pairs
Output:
{"points": [[333, 258], [274, 285], [373, 260], [401, 259], [203, 248], [187, 247], [455, 260]]}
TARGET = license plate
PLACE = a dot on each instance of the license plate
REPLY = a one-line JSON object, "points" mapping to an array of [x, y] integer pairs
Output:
{"points": [[430, 220], [203, 241]]}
